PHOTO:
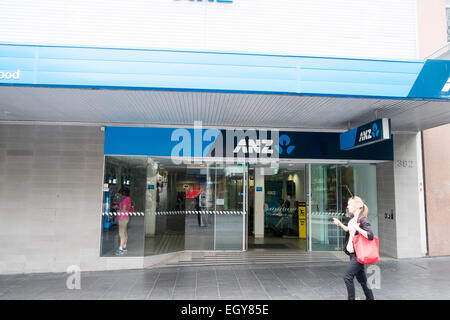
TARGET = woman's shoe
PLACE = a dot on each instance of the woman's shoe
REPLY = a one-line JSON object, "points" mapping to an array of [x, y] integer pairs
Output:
{"points": [[119, 252]]}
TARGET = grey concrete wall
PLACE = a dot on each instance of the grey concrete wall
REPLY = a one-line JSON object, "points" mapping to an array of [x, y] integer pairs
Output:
{"points": [[400, 190], [386, 204], [50, 197]]}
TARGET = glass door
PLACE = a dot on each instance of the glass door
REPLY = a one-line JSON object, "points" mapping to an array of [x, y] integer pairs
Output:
{"points": [[230, 206], [194, 206], [325, 204]]}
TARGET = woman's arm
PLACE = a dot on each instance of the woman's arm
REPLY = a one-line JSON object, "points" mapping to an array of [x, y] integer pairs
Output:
{"points": [[340, 224], [365, 228], [363, 232]]}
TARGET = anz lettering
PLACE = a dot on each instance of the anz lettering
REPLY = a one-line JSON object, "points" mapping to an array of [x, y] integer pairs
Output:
{"points": [[369, 134], [190, 146], [254, 146], [365, 135]]}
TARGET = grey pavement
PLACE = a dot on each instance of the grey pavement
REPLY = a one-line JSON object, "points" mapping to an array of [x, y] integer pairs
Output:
{"points": [[410, 279]]}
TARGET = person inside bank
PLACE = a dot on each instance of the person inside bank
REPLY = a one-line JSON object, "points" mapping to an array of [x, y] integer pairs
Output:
{"points": [[358, 224], [282, 211], [123, 218]]}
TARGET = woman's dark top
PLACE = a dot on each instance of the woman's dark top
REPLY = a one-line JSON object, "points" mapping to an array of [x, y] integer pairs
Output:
{"points": [[363, 224]]}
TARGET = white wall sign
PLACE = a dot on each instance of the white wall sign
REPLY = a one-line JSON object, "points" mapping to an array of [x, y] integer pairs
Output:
{"points": [[10, 75]]}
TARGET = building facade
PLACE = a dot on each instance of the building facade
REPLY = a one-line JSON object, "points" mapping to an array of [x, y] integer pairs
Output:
{"points": [[224, 121]]}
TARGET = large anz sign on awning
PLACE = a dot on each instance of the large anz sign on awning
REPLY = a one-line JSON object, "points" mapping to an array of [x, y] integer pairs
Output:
{"points": [[252, 144]]}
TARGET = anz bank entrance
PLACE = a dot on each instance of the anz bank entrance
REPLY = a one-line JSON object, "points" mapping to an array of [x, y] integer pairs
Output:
{"points": [[197, 189]]}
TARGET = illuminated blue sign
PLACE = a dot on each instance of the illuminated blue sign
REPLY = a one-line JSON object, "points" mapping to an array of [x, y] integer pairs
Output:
{"points": [[369, 133], [188, 142]]}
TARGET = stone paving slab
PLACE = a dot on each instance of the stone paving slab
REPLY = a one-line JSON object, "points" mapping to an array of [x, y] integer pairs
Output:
{"points": [[407, 279]]}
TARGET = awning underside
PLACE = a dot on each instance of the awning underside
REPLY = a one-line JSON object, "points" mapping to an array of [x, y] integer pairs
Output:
{"points": [[214, 109]]}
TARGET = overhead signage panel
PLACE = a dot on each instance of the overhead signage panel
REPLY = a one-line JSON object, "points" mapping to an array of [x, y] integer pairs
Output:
{"points": [[369, 133], [252, 144]]}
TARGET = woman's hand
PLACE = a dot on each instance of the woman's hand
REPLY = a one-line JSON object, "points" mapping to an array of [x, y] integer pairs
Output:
{"points": [[337, 222]]}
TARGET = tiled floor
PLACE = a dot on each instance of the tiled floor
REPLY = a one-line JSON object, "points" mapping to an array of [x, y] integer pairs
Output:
{"points": [[426, 278]]}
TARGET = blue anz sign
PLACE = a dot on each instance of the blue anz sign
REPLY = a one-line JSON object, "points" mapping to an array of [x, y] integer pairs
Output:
{"points": [[259, 146], [369, 133]]}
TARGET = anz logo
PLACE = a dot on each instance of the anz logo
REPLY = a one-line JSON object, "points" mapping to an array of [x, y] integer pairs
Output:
{"points": [[254, 146], [369, 134], [284, 146], [265, 146]]}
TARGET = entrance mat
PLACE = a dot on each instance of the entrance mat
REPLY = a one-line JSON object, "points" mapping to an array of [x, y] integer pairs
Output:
{"points": [[267, 246]]}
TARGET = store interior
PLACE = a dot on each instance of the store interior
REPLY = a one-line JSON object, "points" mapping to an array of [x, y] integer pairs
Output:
{"points": [[199, 206]]}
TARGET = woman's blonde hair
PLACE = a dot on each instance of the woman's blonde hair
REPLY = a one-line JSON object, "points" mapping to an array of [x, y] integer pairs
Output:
{"points": [[359, 203]]}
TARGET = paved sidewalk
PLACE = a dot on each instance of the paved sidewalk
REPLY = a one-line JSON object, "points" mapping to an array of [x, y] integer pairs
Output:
{"points": [[425, 278]]}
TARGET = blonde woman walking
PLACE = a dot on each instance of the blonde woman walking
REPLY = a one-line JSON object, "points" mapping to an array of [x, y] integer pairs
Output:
{"points": [[358, 224]]}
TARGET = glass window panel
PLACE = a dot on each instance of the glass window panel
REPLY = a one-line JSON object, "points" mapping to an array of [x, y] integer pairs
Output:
{"points": [[123, 173], [325, 204], [165, 215], [331, 187], [366, 188], [229, 231]]}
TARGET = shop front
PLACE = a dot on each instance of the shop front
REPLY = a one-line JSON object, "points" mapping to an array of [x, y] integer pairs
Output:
{"points": [[197, 189]]}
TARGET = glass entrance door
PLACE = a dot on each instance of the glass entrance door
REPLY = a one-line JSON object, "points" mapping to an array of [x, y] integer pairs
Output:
{"points": [[204, 200], [230, 206], [277, 206]]}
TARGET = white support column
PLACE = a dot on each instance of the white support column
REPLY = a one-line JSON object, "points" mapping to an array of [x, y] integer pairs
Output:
{"points": [[258, 221], [422, 215]]}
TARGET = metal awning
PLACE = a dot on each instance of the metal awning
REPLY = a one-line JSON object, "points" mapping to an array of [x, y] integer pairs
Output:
{"points": [[215, 109], [125, 86]]}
